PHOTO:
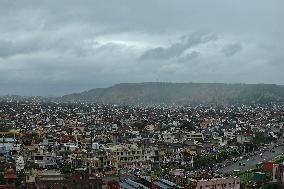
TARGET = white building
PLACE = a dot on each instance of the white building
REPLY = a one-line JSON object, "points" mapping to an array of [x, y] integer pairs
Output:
{"points": [[20, 163]]}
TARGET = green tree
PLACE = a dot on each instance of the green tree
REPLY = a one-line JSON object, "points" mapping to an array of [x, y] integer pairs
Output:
{"points": [[186, 125], [272, 186], [139, 125], [20, 179], [2, 180], [36, 138], [261, 138], [65, 168]]}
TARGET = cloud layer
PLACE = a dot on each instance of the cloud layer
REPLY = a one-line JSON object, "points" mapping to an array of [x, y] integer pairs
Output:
{"points": [[49, 48]]}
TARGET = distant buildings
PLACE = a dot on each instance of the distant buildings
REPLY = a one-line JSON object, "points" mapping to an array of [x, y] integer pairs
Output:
{"points": [[75, 144]]}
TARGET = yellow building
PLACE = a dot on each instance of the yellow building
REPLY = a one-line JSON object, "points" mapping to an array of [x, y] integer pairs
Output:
{"points": [[150, 127], [101, 164], [128, 155]]}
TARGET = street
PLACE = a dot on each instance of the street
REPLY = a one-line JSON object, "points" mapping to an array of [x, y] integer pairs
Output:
{"points": [[249, 162]]}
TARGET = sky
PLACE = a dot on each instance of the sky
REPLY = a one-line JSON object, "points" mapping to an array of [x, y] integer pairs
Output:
{"points": [[56, 47]]}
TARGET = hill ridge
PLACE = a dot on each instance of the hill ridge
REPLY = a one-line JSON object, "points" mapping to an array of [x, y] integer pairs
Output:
{"points": [[181, 93]]}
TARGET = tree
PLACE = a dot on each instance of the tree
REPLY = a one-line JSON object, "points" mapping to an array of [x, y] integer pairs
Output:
{"points": [[20, 179], [139, 125], [2, 180], [65, 168], [272, 186], [261, 138], [36, 138], [186, 125]]}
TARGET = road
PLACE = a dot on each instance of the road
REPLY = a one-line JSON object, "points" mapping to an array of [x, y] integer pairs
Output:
{"points": [[252, 160]]}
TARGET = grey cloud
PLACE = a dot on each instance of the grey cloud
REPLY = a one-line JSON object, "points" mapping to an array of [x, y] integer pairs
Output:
{"points": [[232, 49], [59, 42], [176, 49], [10, 48], [278, 62], [6, 48], [95, 43], [189, 56]]}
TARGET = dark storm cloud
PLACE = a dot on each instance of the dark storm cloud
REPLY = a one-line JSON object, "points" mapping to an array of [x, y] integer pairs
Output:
{"points": [[60, 45], [176, 49]]}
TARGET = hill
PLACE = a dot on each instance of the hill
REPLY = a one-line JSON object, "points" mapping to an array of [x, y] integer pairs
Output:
{"points": [[181, 93]]}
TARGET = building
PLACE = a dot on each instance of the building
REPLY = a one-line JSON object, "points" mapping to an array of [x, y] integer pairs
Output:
{"points": [[216, 183], [10, 177], [20, 163], [55, 180], [278, 173], [128, 155]]}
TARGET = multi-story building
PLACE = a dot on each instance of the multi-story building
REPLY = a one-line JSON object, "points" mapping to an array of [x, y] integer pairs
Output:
{"points": [[128, 155]]}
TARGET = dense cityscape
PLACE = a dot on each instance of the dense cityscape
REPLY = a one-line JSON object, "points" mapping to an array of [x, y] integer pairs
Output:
{"points": [[56, 145], [145, 94]]}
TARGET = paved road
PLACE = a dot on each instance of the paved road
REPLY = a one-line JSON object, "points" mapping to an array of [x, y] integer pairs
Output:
{"points": [[251, 161]]}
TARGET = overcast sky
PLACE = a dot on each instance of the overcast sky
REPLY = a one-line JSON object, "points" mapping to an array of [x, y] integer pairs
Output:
{"points": [[54, 47]]}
